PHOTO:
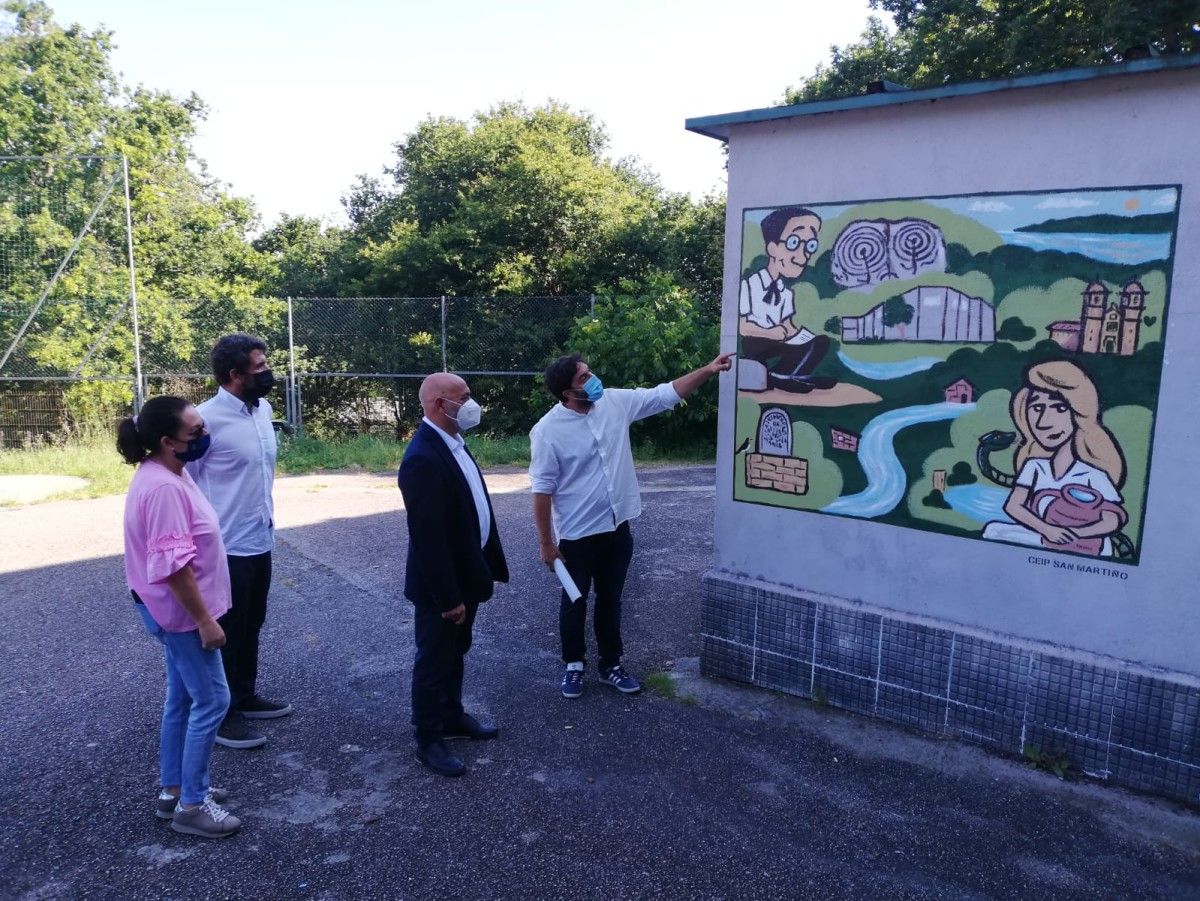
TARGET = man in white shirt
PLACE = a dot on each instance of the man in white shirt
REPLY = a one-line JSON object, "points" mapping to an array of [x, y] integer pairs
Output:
{"points": [[582, 476], [766, 306], [237, 476]]}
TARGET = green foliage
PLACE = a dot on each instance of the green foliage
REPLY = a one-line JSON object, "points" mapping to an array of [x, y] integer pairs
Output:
{"points": [[1050, 761], [961, 474], [833, 325], [937, 42], [935, 499], [521, 201], [59, 96], [1013, 329], [896, 312], [642, 339], [662, 684]]}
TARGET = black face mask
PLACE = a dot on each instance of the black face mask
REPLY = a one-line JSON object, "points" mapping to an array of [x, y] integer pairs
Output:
{"points": [[261, 384]]}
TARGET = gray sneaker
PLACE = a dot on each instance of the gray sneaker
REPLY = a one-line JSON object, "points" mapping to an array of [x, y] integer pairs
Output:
{"points": [[208, 820], [164, 805]]}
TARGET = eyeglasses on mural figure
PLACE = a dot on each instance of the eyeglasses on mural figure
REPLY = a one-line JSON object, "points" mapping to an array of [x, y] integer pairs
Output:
{"points": [[934, 363]]}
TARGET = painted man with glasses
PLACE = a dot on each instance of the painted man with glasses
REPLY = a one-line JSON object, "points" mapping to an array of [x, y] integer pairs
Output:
{"points": [[766, 306]]}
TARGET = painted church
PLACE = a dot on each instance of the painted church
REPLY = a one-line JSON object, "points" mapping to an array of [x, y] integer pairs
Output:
{"points": [[1103, 327]]}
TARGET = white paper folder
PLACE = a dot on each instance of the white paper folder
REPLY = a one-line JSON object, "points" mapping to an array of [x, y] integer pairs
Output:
{"points": [[568, 583]]}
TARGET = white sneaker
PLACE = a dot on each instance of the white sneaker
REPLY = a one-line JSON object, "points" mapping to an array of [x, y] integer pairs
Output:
{"points": [[208, 820]]}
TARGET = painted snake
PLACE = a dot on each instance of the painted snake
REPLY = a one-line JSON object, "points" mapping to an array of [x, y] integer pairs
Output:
{"points": [[996, 440]]}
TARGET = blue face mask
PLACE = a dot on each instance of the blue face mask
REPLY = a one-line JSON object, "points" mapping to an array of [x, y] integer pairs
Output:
{"points": [[196, 449], [593, 388]]}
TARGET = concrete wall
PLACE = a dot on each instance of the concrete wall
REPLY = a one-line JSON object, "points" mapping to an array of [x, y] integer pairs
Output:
{"points": [[1121, 131]]}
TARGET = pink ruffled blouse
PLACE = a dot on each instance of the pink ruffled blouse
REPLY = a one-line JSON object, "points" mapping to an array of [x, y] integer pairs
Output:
{"points": [[169, 524]]}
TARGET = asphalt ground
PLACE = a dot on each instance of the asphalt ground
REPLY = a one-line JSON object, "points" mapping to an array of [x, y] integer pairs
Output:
{"points": [[719, 792]]}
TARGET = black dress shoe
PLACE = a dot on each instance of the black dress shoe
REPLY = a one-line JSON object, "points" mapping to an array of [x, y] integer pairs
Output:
{"points": [[469, 727], [438, 758]]}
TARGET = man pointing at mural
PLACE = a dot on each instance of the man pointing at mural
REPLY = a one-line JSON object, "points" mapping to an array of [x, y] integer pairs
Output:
{"points": [[766, 306], [581, 470]]}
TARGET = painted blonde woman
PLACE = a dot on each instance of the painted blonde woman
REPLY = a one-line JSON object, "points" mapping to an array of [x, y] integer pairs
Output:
{"points": [[1069, 466]]}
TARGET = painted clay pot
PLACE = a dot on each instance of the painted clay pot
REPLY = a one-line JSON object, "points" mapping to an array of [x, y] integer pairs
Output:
{"points": [[1074, 506]]}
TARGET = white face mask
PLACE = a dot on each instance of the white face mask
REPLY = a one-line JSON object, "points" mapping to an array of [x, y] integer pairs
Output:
{"points": [[469, 414]]}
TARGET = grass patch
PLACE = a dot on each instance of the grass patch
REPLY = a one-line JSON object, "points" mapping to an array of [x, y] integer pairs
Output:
{"points": [[94, 457], [662, 684], [372, 453]]}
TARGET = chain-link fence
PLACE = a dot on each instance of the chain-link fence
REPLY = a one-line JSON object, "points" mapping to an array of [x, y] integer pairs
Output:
{"points": [[347, 365]]}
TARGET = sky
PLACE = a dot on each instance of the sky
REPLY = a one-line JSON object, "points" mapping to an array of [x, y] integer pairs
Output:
{"points": [[304, 95]]}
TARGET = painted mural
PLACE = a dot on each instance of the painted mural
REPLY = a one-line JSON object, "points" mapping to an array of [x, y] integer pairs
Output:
{"points": [[985, 366]]}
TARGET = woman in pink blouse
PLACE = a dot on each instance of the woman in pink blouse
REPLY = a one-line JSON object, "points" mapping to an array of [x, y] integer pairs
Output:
{"points": [[176, 568]]}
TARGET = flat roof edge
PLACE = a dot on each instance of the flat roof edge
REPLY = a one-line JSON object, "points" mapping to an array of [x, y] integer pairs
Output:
{"points": [[718, 126]]}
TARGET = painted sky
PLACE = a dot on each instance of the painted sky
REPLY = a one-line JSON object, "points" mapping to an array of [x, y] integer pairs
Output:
{"points": [[1005, 212]]}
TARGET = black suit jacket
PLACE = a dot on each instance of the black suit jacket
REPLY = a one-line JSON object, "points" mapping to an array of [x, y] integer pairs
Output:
{"points": [[446, 565]]}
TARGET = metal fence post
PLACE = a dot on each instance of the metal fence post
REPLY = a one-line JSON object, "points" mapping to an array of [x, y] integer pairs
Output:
{"points": [[293, 392], [592, 306], [139, 390], [444, 368]]}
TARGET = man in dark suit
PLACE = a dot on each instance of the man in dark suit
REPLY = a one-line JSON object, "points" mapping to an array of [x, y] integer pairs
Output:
{"points": [[454, 557]]}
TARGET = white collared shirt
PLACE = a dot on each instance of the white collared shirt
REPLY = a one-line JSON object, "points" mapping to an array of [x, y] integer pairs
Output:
{"points": [[238, 472], [752, 304], [584, 461], [458, 447]]}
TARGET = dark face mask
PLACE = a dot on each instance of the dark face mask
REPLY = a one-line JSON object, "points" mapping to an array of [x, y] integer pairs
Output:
{"points": [[196, 448], [261, 383]]}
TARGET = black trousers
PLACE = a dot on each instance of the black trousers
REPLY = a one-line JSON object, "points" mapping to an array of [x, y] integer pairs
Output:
{"points": [[603, 560], [784, 358], [250, 581], [437, 678]]}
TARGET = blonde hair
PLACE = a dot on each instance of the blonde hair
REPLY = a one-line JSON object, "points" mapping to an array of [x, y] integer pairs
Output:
{"points": [[1091, 442]]}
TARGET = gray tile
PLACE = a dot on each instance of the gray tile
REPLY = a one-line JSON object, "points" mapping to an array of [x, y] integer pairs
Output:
{"points": [[785, 627], [915, 657], [1071, 696], [984, 727], [847, 692], [724, 659], [782, 673], [727, 617], [911, 708], [1157, 716], [989, 675], [1145, 772], [847, 640]]}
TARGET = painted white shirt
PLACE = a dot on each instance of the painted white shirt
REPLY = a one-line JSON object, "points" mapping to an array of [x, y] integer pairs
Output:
{"points": [[584, 461], [238, 472], [1038, 475], [458, 447], [753, 306]]}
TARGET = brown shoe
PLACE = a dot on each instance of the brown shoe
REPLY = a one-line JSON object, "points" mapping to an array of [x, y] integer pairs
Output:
{"points": [[208, 820]]}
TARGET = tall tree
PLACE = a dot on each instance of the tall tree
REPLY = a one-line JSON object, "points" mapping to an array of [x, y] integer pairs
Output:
{"points": [[516, 201], [59, 96], [937, 42]]}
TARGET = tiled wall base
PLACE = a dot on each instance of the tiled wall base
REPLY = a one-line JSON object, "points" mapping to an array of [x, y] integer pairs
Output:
{"points": [[1131, 729]]}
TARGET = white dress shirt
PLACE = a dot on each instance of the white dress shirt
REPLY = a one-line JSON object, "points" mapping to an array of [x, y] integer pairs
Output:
{"points": [[584, 461], [458, 447], [752, 303], [238, 472]]}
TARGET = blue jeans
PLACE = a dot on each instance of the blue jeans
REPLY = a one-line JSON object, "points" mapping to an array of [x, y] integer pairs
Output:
{"points": [[197, 698]]}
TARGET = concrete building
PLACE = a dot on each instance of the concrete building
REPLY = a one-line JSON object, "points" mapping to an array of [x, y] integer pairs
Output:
{"points": [[987, 642]]}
